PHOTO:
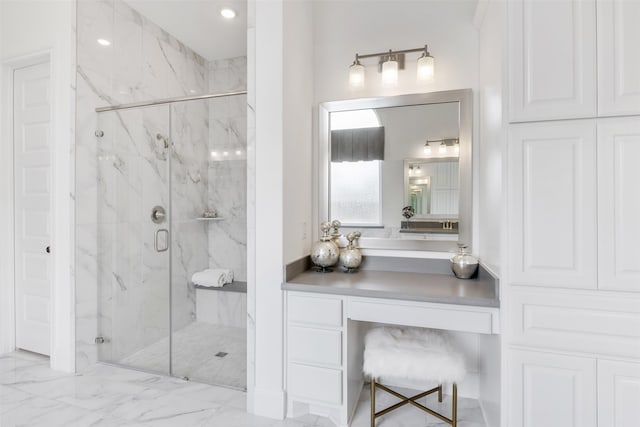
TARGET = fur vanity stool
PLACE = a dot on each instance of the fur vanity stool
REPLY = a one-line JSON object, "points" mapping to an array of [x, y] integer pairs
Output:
{"points": [[415, 354]]}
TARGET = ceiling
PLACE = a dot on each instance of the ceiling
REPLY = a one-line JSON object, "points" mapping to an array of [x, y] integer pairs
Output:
{"points": [[198, 24]]}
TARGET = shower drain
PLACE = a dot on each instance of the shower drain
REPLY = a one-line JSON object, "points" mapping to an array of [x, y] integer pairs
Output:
{"points": [[221, 354]]}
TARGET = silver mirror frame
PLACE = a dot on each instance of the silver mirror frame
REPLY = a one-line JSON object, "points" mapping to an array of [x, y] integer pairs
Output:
{"points": [[465, 99]]}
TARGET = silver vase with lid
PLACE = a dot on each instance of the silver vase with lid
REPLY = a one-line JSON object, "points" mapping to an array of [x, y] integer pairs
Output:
{"points": [[463, 265], [325, 253]]}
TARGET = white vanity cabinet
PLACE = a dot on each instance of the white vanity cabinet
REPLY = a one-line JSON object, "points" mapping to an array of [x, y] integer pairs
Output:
{"points": [[619, 203], [573, 58], [574, 273], [556, 390], [552, 59], [618, 393], [618, 59], [315, 353], [552, 204]]}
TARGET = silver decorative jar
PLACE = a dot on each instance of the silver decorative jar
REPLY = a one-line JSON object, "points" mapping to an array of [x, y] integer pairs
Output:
{"points": [[325, 253], [463, 265], [336, 237], [351, 257]]}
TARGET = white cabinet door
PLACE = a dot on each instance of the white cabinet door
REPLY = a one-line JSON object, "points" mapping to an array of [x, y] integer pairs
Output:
{"points": [[551, 390], [618, 58], [619, 204], [552, 204], [618, 394], [552, 59]]}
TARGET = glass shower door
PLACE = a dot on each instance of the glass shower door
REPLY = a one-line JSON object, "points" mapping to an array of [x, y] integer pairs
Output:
{"points": [[133, 225], [209, 174]]}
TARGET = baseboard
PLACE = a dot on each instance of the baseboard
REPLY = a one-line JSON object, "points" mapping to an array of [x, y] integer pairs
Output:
{"points": [[269, 403]]}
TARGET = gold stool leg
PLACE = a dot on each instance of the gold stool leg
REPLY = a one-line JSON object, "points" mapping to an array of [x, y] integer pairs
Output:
{"points": [[440, 393], [454, 404], [373, 402]]}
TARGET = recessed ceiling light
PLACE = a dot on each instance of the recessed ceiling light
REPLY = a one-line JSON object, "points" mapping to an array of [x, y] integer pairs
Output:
{"points": [[104, 42], [228, 13]]}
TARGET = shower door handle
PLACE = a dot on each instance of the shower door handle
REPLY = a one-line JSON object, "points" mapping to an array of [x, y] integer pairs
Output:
{"points": [[161, 240]]}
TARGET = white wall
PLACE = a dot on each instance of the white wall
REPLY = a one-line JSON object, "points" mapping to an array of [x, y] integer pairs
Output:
{"points": [[492, 207], [266, 393], [346, 27], [298, 107], [283, 101], [28, 28], [491, 215]]}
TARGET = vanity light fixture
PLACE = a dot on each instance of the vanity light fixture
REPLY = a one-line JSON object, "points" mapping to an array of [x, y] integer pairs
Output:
{"points": [[427, 148], [389, 63], [390, 71], [425, 67], [356, 74]]}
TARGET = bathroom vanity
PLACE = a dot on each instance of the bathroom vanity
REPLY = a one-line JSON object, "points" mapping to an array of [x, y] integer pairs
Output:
{"points": [[327, 315]]}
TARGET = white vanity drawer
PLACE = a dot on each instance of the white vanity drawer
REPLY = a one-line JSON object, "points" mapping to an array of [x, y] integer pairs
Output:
{"points": [[316, 346], [312, 310], [482, 320], [316, 384]]}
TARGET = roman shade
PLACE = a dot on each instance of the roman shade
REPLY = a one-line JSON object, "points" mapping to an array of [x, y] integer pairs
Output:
{"points": [[353, 145]]}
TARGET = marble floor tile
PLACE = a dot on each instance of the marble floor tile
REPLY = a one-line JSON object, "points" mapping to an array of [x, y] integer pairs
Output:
{"points": [[110, 396]]}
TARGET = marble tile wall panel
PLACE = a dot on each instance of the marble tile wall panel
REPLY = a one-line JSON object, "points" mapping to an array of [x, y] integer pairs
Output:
{"points": [[122, 283], [221, 308]]}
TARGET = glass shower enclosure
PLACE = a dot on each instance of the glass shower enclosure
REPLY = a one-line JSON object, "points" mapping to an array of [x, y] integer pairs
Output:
{"points": [[160, 168]]}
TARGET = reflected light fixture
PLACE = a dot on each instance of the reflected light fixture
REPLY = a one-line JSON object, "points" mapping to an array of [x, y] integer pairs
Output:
{"points": [[104, 42], [389, 63], [227, 13], [446, 147]]}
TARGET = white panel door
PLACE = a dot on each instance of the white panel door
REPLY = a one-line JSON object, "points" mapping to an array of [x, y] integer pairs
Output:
{"points": [[552, 204], [32, 145], [551, 390], [618, 58], [552, 59], [619, 204], [618, 394]]}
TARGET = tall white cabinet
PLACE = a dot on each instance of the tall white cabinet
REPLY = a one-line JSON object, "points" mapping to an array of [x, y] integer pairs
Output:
{"points": [[573, 170]]}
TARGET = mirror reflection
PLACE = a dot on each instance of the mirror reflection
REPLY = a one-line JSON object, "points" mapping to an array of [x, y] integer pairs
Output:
{"points": [[385, 159], [398, 168]]}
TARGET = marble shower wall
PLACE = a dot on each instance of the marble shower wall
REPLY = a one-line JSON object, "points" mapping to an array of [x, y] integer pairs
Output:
{"points": [[121, 175], [228, 167]]}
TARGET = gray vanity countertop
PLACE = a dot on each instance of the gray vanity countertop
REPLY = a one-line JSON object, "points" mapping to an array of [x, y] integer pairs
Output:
{"points": [[420, 286]]}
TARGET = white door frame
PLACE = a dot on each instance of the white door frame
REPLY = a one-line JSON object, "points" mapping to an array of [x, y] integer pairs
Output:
{"points": [[62, 218]]}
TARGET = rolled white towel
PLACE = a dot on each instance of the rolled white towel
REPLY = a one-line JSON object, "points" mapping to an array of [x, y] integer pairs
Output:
{"points": [[209, 278], [228, 278]]}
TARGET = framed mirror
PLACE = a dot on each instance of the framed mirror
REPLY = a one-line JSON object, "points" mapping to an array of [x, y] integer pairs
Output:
{"points": [[398, 169]]}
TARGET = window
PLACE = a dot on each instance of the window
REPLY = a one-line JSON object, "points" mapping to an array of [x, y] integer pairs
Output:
{"points": [[355, 169]]}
